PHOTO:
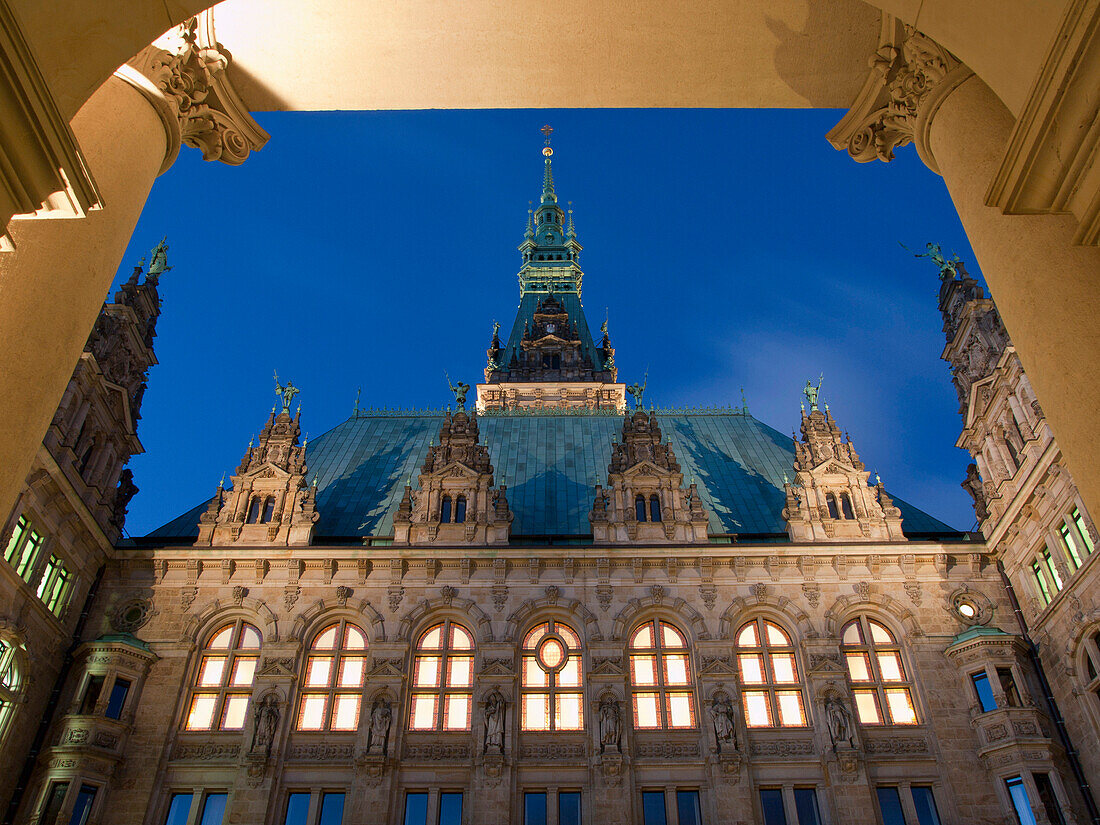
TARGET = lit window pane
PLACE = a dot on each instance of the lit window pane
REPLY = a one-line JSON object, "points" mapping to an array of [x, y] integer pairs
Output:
{"points": [[671, 637], [889, 664], [318, 671], [244, 671], [681, 711], [879, 634], [758, 712], [570, 675], [676, 669], [457, 712], [222, 639], [569, 714], [351, 671], [571, 638], [752, 668], [646, 714], [747, 636], [345, 711], [433, 639], [326, 639], [867, 707], [858, 667], [423, 712], [311, 713], [535, 711], [551, 653], [200, 716], [536, 634], [460, 671], [533, 674], [233, 714], [354, 638], [427, 671], [461, 638], [250, 638], [901, 706], [643, 638], [852, 634], [211, 670], [784, 669], [791, 713], [776, 636], [643, 670]]}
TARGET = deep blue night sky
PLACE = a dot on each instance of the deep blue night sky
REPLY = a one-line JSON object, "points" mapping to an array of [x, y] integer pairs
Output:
{"points": [[374, 249]]}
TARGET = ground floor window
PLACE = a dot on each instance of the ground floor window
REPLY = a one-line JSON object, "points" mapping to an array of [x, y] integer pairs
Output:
{"points": [[655, 807], [417, 804], [924, 803]]}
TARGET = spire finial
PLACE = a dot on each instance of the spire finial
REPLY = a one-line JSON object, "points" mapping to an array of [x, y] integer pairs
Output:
{"points": [[355, 409], [572, 231], [548, 176]]}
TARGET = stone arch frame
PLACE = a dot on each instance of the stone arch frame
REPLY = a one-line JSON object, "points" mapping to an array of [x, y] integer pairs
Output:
{"points": [[464, 611], [677, 610], [897, 615], [309, 620], [784, 610], [1075, 656], [253, 610], [535, 610], [14, 635]]}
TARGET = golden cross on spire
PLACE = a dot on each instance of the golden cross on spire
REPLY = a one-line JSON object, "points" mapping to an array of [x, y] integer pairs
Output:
{"points": [[546, 130]]}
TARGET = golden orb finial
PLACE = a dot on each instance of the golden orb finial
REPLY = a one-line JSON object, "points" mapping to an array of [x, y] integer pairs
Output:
{"points": [[547, 130]]}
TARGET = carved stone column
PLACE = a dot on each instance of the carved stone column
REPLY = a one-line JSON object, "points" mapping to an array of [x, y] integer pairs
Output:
{"points": [[53, 282]]}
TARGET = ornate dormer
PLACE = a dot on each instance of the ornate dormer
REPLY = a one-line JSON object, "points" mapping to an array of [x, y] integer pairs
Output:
{"points": [[454, 502], [830, 498], [550, 359], [269, 502], [645, 500]]}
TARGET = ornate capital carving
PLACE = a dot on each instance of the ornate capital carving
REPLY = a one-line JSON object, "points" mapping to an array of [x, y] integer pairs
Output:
{"points": [[910, 76], [186, 69]]}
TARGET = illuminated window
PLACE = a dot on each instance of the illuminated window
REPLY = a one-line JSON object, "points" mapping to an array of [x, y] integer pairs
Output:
{"points": [[550, 681], [336, 668], [23, 548], [53, 589], [1082, 528], [1041, 582], [442, 678], [771, 690], [10, 685], [879, 684], [1069, 544], [223, 682], [1048, 564], [660, 677]]}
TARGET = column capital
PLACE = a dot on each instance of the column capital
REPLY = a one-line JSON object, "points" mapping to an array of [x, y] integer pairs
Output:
{"points": [[910, 76], [183, 74]]}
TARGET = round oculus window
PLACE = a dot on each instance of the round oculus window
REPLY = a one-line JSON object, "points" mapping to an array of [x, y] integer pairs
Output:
{"points": [[552, 653], [967, 610]]}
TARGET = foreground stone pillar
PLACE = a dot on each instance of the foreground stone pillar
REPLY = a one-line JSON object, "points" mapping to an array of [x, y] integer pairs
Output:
{"points": [[1046, 289]]}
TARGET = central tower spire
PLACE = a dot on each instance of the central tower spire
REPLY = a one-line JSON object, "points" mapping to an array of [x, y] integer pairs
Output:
{"points": [[550, 359]]}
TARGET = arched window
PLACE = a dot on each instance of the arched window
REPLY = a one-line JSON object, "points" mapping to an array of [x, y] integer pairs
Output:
{"points": [[639, 507], [880, 687], [332, 685], [830, 502], [223, 683], [1092, 667], [846, 505], [550, 679], [460, 509], [771, 690], [654, 508], [660, 677], [555, 361], [254, 510], [10, 684], [445, 510], [269, 509], [443, 678]]}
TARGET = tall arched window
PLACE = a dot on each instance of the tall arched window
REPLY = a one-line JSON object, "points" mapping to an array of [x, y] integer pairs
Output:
{"points": [[660, 677], [10, 683], [223, 683], [254, 510], [1091, 662], [460, 509], [771, 690], [269, 509], [443, 678], [333, 681], [846, 506], [445, 510], [654, 508], [639, 507], [830, 502], [883, 695], [550, 679]]}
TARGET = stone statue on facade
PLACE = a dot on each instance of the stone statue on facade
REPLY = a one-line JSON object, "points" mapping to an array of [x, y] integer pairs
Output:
{"points": [[973, 485], [125, 491], [840, 723], [286, 393], [381, 716], [494, 721], [812, 393], [460, 389], [159, 264], [265, 722], [722, 714], [611, 724]]}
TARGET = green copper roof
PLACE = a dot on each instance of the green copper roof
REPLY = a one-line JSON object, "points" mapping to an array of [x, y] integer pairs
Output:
{"points": [[571, 303], [550, 463]]}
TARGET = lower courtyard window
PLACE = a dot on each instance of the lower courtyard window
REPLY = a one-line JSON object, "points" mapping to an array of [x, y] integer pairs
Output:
{"points": [[211, 813], [416, 808], [536, 805], [330, 810], [924, 803], [775, 802]]}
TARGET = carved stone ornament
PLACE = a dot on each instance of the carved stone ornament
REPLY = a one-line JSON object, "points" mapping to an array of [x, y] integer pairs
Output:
{"points": [[131, 615]]}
